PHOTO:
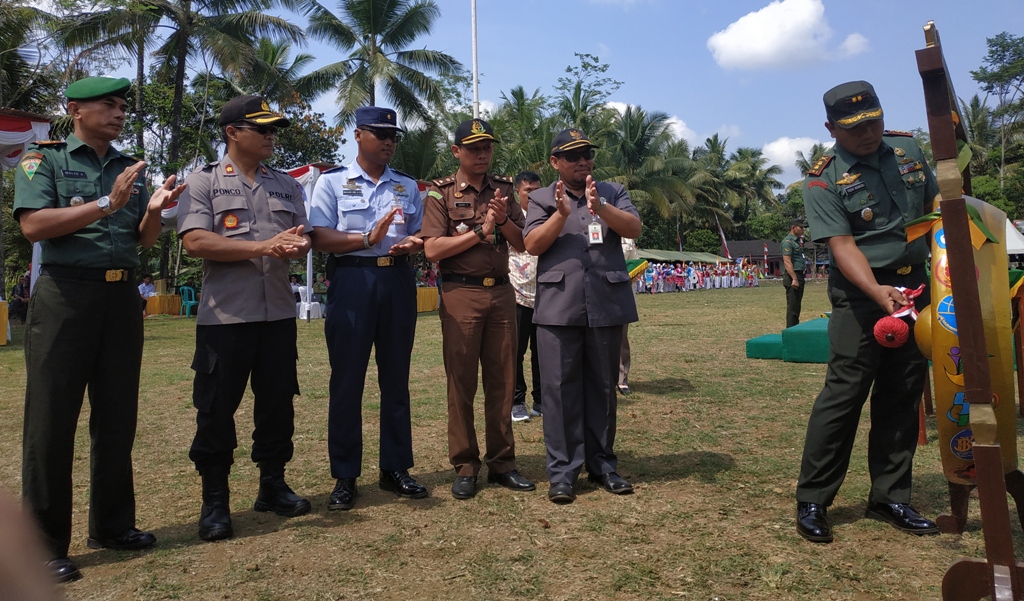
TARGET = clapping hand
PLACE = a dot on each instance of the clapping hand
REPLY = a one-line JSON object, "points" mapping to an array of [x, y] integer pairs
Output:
{"points": [[562, 200]]}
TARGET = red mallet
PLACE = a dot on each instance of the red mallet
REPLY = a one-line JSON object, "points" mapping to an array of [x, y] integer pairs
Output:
{"points": [[891, 332]]}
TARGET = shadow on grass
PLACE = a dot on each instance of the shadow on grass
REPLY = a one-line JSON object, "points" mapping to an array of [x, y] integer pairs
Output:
{"points": [[662, 386]]}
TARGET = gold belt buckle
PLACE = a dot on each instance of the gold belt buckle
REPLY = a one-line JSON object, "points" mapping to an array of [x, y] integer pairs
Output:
{"points": [[114, 275], [904, 270], [488, 282], [385, 261]]}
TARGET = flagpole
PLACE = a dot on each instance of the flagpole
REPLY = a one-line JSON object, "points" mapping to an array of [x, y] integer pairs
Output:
{"points": [[476, 72]]}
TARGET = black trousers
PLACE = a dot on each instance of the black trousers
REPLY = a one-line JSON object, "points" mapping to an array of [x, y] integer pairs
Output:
{"points": [[527, 335], [857, 365], [227, 358], [370, 308], [581, 368], [794, 298], [81, 335]]}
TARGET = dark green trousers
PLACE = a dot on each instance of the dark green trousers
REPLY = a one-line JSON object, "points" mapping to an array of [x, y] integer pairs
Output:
{"points": [[858, 365], [794, 298], [81, 335]]}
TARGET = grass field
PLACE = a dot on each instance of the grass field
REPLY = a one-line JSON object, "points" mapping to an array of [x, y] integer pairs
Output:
{"points": [[711, 441]]}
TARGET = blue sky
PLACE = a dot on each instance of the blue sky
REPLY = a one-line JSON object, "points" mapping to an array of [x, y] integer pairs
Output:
{"points": [[751, 70]]}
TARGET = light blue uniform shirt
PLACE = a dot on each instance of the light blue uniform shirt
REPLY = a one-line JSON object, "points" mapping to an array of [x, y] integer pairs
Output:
{"points": [[348, 200]]}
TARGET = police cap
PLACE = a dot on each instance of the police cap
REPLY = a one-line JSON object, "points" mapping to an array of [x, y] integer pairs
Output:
{"points": [[474, 130], [852, 103], [568, 139], [250, 108], [377, 117]]}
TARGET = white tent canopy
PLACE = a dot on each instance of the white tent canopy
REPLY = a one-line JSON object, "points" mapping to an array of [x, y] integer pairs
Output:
{"points": [[1014, 240]]}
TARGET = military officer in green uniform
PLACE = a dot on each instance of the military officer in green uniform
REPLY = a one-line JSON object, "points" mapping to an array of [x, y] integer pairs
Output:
{"points": [[859, 197], [795, 262], [87, 204]]}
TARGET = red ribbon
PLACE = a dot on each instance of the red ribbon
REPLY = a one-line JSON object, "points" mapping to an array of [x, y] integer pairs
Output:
{"points": [[910, 295]]}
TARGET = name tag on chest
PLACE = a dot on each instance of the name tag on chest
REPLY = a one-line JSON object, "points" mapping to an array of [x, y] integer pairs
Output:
{"points": [[74, 174]]}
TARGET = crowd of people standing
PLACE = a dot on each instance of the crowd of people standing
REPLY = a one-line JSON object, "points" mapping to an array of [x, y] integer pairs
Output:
{"points": [[668, 277]]}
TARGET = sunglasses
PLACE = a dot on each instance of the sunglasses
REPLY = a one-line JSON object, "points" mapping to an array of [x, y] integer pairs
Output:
{"points": [[384, 134], [575, 155], [260, 129]]}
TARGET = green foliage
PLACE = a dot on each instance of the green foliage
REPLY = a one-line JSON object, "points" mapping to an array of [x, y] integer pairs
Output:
{"points": [[705, 241], [309, 139], [659, 232], [768, 226], [17, 250]]}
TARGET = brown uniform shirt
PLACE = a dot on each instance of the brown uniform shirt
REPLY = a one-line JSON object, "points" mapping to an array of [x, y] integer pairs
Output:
{"points": [[451, 202], [221, 200]]}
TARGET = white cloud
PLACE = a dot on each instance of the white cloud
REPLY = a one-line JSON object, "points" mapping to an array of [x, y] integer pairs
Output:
{"points": [[487, 108], [618, 106], [853, 45], [603, 51], [681, 130], [729, 131], [784, 34], [782, 152]]}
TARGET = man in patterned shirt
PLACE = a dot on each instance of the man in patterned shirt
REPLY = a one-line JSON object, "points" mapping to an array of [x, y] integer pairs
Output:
{"points": [[522, 274]]}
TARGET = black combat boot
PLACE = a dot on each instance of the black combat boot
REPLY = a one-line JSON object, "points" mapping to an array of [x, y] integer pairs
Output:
{"points": [[275, 495], [215, 519]]}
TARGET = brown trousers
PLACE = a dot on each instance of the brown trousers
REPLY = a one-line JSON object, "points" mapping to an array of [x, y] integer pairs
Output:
{"points": [[478, 325]]}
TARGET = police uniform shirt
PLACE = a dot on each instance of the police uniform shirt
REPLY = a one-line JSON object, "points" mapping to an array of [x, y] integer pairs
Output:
{"points": [[793, 248], [578, 283], [872, 198], [69, 173], [348, 200], [453, 202], [221, 200]]}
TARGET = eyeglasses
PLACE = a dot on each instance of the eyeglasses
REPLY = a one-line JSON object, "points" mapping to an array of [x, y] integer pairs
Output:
{"points": [[384, 134], [260, 129], [575, 155]]}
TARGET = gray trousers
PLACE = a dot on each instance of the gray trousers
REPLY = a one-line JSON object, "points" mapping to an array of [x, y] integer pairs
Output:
{"points": [[579, 371]]}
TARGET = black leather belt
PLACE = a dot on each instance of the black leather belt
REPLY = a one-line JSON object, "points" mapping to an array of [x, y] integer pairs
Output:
{"points": [[383, 261], [88, 274], [472, 281]]}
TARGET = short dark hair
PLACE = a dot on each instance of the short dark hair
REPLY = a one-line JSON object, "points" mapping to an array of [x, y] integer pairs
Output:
{"points": [[525, 176]]}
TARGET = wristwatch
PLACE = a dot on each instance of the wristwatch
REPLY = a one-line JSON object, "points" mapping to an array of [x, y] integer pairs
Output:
{"points": [[604, 202], [479, 231], [366, 239], [104, 204]]}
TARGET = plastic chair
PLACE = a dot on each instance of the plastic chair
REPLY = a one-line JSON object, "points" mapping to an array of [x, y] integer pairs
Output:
{"points": [[188, 300]]}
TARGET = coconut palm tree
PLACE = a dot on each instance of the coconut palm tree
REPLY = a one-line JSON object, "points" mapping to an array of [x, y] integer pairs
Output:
{"points": [[271, 74], [980, 126], [25, 82], [804, 163], [376, 35], [525, 132]]}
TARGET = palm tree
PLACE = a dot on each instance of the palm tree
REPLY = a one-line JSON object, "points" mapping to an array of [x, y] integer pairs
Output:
{"points": [[980, 125], [759, 179], [525, 132], [804, 163], [25, 83], [375, 34], [270, 75]]}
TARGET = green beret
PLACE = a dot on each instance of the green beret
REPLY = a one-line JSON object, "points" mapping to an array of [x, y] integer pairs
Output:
{"points": [[92, 88]]}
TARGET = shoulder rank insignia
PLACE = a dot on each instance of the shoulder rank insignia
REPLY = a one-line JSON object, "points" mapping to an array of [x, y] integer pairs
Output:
{"points": [[898, 132], [848, 178], [402, 173], [444, 181], [819, 166], [503, 178], [48, 142]]}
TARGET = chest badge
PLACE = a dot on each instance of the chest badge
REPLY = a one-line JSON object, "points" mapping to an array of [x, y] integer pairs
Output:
{"points": [[457, 195], [462, 228], [399, 189], [899, 152], [229, 169], [867, 214], [231, 222], [77, 201], [848, 179]]}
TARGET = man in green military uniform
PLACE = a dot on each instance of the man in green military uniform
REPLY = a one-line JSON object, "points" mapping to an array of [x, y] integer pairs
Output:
{"points": [[795, 262], [859, 197], [87, 204]]}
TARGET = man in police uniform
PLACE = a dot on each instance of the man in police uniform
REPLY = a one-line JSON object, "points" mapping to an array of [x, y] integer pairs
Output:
{"points": [[88, 206], [245, 220], [859, 197], [584, 297], [795, 263], [468, 225], [368, 215]]}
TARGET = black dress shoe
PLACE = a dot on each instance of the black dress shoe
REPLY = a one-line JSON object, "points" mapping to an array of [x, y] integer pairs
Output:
{"points": [[343, 496], [511, 479], [812, 522], [131, 539], [62, 570], [561, 493], [613, 483], [902, 517], [464, 487], [402, 484]]}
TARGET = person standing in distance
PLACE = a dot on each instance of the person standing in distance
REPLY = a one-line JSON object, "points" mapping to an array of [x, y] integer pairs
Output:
{"points": [[468, 226], [368, 215], [522, 273], [795, 263], [859, 197], [584, 298], [88, 207], [245, 221]]}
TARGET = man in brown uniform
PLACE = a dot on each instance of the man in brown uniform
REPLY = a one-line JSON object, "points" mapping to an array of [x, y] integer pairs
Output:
{"points": [[468, 224]]}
